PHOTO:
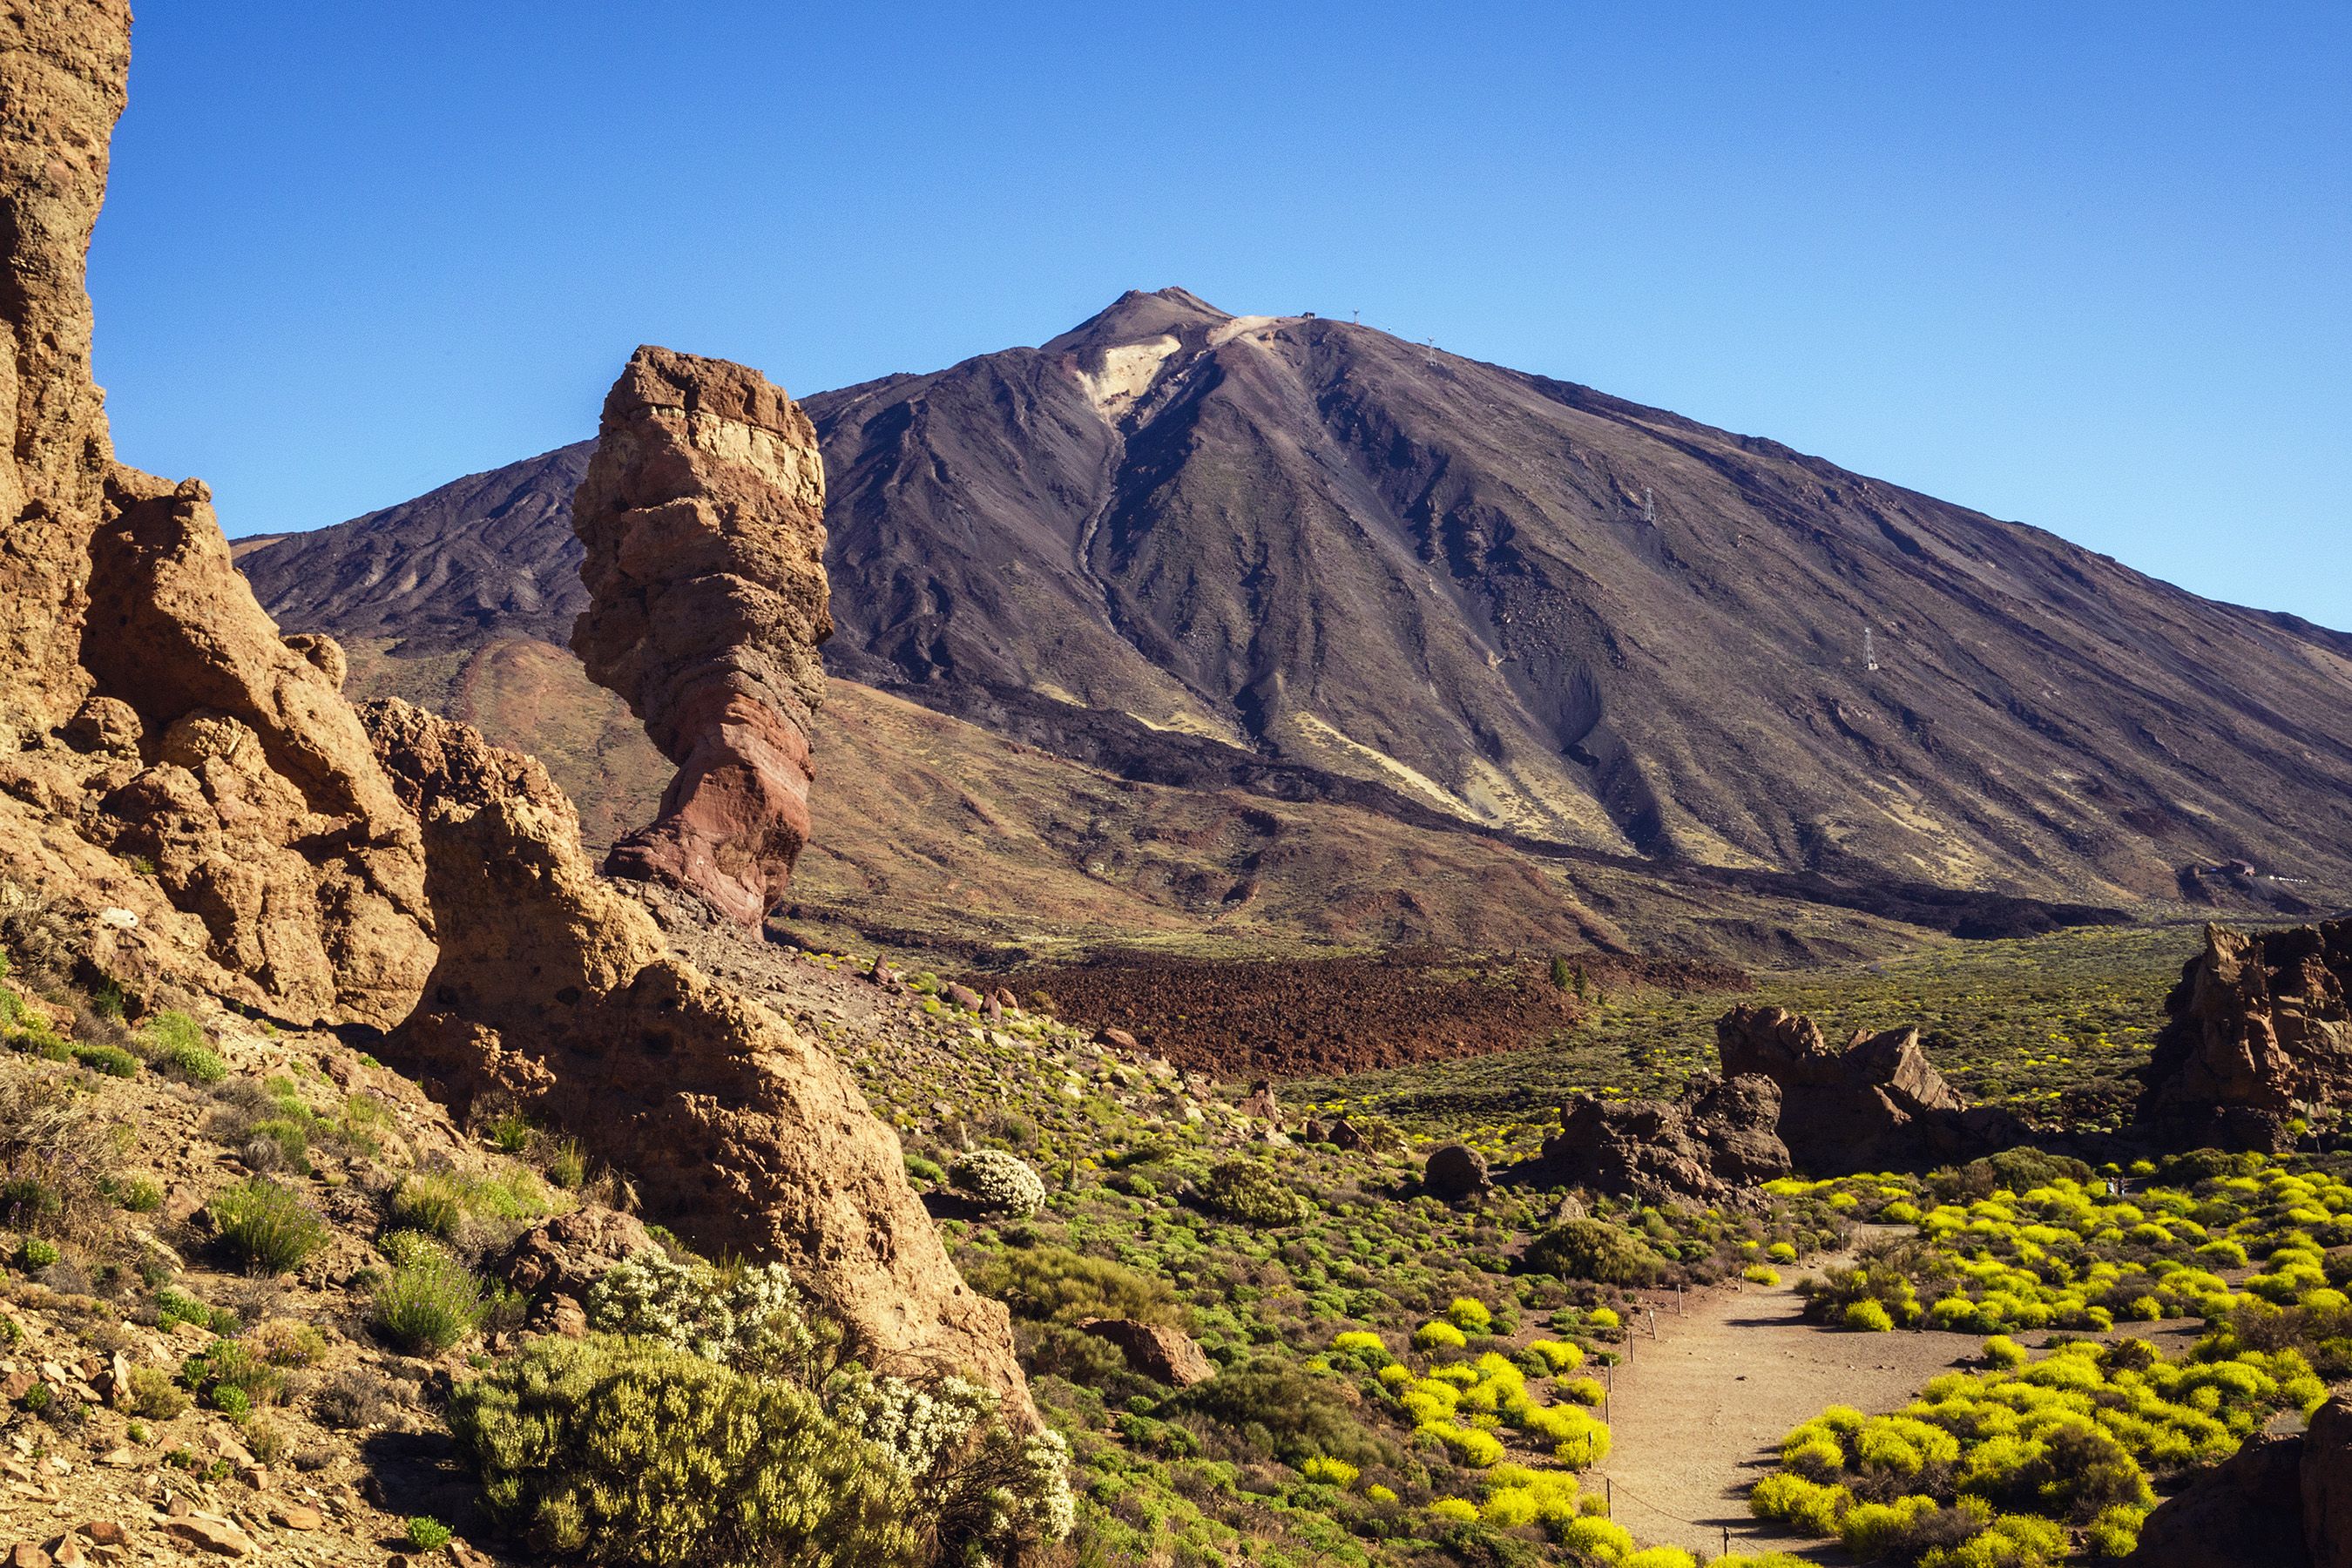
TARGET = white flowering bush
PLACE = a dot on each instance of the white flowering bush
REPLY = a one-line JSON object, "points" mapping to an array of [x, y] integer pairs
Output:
{"points": [[944, 1479], [982, 1489], [999, 1181], [750, 1319]]}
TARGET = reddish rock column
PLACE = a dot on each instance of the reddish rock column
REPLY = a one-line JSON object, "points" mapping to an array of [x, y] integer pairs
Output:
{"points": [[703, 515]]}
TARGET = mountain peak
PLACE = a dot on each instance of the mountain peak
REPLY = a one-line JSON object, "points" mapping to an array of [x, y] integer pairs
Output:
{"points": [[1136, 316]]}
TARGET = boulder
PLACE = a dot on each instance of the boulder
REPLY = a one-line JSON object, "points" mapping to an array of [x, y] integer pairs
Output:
{"points": [[703, 516], [1715, 1140], [1878, 1104], [2257, 1028], [567, 1254], [1455, 1174], [2244, 1512], [2326, 1473], [1155, 1351], [1260, 1103], [557, 988], [1343, 1134]]}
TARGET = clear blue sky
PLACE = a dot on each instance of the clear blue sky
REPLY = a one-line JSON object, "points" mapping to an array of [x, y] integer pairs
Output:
{"points": [[2085, 265]]}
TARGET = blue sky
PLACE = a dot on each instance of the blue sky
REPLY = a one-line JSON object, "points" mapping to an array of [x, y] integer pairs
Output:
{"points": [[2089, 265]]}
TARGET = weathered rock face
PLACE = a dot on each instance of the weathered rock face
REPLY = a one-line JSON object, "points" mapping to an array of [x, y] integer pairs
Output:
{"points": [[1877, 1105], [1707, 1145], [2244, 1512], [2258, 1028], [63, 74], [557, 988], [2326, 1478], [703, 517], [263, 808], [162, 751]]}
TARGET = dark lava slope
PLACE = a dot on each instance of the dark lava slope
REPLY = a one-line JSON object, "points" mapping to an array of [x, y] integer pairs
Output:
{"points": [[1279, 550]]}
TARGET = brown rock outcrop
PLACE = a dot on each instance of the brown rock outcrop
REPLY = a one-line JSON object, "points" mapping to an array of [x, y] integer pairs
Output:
{"points": [[703, 517], [1721, 1137], [567, 1254], [2244, 1512], [63, 75], [1877, 1105], [1455, 1174], [1155, 1351], [163, 751], [2326, 1479], [2258, 1031], [557, 988]]}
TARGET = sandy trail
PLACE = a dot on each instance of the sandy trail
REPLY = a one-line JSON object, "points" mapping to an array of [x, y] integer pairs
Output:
{"points": [[1699, 1413]]}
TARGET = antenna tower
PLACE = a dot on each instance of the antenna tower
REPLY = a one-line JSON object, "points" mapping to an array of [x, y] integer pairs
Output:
{"points": [[1649, 507], [1429, 352], [1869, 649]]}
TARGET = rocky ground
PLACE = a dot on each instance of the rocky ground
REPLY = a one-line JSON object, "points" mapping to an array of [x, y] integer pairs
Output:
{"points": [[110, 1455]]}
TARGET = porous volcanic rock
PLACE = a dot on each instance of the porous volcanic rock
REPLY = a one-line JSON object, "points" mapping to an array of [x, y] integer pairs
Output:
{"points": [[557, 989], [163, 751], [2258, 1028], [2244, 1512], [1877, 1105], [1721, 1137], [1155, 1351], [703, 518]]}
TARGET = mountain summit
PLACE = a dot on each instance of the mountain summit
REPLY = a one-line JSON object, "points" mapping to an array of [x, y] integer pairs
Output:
{"points": [[1201, 547]]}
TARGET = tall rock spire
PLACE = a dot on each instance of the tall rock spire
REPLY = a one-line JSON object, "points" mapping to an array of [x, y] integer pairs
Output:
{"points": [[703, 516]]}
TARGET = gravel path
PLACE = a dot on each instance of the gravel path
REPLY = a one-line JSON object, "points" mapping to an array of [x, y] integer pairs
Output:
{"points": [[1699, 1413]]}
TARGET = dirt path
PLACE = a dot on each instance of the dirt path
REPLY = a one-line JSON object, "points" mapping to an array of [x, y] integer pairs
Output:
{"points": [[1699, 1413]]}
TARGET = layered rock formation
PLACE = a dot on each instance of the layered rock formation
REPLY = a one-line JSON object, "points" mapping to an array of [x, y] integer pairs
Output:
{"points": [[703, 518], [2259, 1033], [557, 989], [1719, 1138], [164, 754], [1877, 1105]]}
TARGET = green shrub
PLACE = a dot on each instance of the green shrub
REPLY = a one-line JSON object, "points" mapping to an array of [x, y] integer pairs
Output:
{"points": [[1469, 1314], [1596, 1250], [177, 1046], [1248, 1190], [111, 1060], [433, 1203], [626, 1449], [1869, 1316], [265, 1224], [1274, 1409], [139, 1194], [176, 1306], [426, 1533], [1054, 1285], [510, 1133], [33, 1252], [428, 1304], [567, 1165], [153, 1394]]}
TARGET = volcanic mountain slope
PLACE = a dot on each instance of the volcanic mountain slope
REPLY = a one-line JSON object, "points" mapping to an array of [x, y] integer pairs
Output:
{"points": [[1288, 553]]}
